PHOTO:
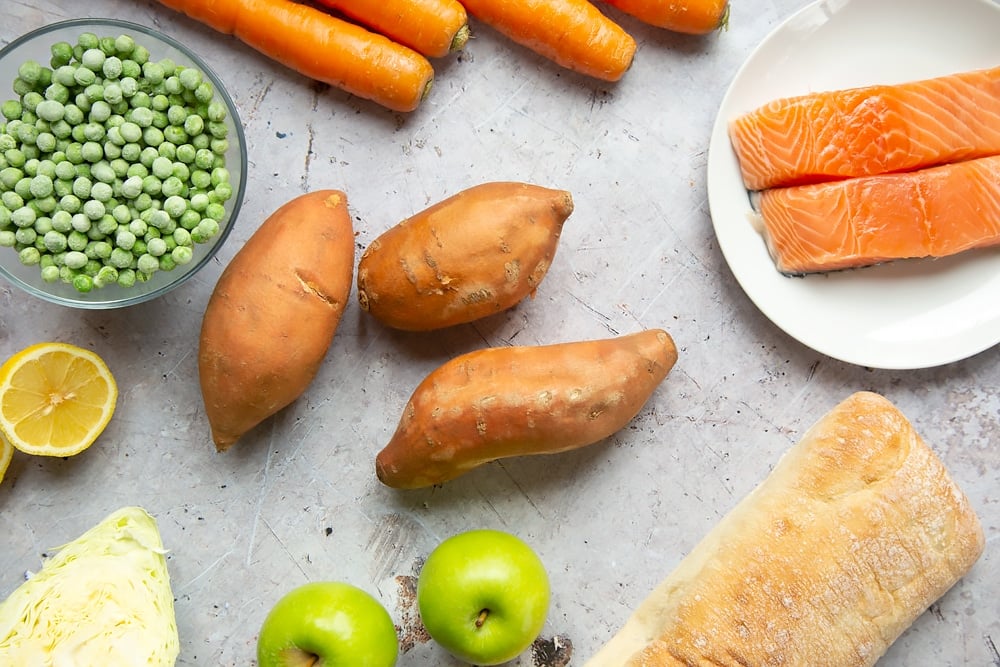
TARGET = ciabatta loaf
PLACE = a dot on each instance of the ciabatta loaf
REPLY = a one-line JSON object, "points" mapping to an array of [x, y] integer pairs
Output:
{"points": [[856, 531]]}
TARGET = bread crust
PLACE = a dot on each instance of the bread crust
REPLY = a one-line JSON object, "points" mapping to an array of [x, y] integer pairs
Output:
{"points": [[855, 532]]}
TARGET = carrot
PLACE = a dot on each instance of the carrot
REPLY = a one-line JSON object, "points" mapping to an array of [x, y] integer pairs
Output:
{"points": [[694, 17], [434, 28], [572, 33], [321, 46]]}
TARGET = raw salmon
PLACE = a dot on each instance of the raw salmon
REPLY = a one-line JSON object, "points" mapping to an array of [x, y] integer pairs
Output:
{"points": [[931, 212], [871, 130]]}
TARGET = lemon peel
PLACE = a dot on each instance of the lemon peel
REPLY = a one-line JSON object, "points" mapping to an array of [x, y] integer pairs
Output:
{"points": [[102, 599]]}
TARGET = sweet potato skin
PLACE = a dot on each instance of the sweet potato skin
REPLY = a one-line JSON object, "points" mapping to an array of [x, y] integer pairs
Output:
{"points": [[474, 254], [273, 313], [513, 401]]}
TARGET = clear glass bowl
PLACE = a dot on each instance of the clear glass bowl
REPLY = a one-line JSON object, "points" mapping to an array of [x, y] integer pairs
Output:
{"points": [[36, 46]]}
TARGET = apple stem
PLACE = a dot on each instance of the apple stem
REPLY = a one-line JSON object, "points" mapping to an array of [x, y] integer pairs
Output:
{"points": [[482, 617]]}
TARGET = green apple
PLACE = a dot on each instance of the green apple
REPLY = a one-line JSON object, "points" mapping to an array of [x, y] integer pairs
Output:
{"points": [[483, 595], [327, 624]]}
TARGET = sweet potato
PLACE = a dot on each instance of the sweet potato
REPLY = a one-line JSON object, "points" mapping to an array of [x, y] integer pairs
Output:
{"points": [[273, 313], [513, 401], [474, 254]]}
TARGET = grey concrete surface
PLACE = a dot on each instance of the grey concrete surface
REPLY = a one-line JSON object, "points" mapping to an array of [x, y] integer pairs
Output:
{"points": [[298, 500]]}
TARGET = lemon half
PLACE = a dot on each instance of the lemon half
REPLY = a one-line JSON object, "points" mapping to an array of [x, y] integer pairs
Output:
{"points": [[55, 399]]}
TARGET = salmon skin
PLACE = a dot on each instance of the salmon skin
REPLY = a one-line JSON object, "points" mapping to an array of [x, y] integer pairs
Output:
{"points": [[933, 212], [867, 131]]}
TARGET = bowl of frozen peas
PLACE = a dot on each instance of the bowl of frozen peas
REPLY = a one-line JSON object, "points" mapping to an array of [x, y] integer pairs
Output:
{"points": [[122, 163]]}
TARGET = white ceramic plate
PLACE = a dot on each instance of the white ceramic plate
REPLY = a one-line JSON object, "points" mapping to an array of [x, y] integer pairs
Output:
{"points": [[903, 315]]}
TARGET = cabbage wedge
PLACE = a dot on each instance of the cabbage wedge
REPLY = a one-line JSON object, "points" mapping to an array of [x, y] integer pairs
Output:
{"points": [[103, 599]]}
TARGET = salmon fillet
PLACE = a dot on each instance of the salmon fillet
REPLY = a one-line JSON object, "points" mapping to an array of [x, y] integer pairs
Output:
{"points": [[933, 212], [871, 130]]}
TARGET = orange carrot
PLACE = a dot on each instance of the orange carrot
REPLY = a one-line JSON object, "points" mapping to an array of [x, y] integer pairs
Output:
{"points": [[321, 46], [434, 28], [573, 33], [695, 17]]}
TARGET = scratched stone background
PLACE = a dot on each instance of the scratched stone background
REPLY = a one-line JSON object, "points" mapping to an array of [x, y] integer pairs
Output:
{"points": [[297, 500]]}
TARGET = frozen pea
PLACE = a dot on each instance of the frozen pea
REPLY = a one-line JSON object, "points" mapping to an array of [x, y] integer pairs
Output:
{"points": [[186, 153], [23, 217], [112, 67], [167, 150], [131, 152], [101, 249], [46, 142], [84, 76], [174, 206], [107, 225], [11, 109], [137, 169], [82, 186], [41, 186], [132, 187], [156, 247], [172, 84], [43, 225], [64, 75], [204, 158], [149, 154], [125, 239], [93, 209], [204, 92], [172, 186], [114, 135], [162, 167], [113, 93], [194, 124], [139, 248], [79, 222], [182, 171], [55, 92], [94, 131], [50, 110], [119, 166], [83, 283], [130, 132], [61, 129], [65, 170], [159, 218], [126, 277], [120, 258], [77, 240], [124, 44], [143, 202], [91, 151], [30, 256], [61, 220], [201, 141], [62, 52], [121, 214], [50, 274], [9, 176], [138, 227], [140, 100], [218, 130], [153, 136], [200, 179], [102, 192], [176, 114], [103, 172], [175, 134], [105, 276], [29, 71], [190, 77], [154, 72], [14, 157], [11, 200], [8, 239], [73, 114], [147, 264], [46, 204], [142, 117], [26, 235], [55, 241], [93, 59], [200, 202], [151, 185], [75, 259]]}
